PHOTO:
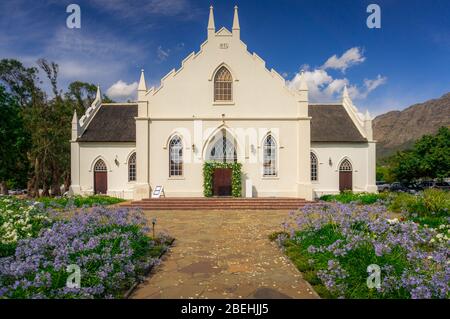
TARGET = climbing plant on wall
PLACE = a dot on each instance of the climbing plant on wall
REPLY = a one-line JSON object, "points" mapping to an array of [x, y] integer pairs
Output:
{"points": [[208, 171]]}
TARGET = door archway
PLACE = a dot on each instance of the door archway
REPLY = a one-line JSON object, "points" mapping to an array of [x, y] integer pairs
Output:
{"points": [[100, 177], [345, 176], [222, 149]]}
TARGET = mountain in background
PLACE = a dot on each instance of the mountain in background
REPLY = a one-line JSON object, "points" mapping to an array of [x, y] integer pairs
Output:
{"points": [[398, 130]]}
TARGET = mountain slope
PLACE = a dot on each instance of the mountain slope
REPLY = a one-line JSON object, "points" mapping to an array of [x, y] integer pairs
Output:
{"points": [[398, 130]]}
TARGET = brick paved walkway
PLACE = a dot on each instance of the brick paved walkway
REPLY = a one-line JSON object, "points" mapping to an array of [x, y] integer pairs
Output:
{"points": [[223, 254]]}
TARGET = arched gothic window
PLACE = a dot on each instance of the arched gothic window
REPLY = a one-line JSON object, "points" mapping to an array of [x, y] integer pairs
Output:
{"points": [[175, 156], [100, 166], [314, 167], [269, 156], [346, 166], [132, 168], [223, 149], [223, 85]]}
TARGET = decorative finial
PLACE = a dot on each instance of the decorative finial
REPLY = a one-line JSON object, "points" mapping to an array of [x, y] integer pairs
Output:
{"points": [[75, 117], [98, 96], [211, 25], [142, 85], [345, 94], [236, 19]]}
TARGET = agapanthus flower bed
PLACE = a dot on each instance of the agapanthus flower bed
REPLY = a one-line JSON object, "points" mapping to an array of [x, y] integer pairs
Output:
{"points": [[110, 246], [19, 219], [333, 245]]}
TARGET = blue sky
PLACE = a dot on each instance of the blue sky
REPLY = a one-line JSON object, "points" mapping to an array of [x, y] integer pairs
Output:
{"points": [[405, 62]]}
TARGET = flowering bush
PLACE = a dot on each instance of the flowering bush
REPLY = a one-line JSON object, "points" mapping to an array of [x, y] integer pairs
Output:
{"points": [[333, 244], [109, 245], [18, 220]]}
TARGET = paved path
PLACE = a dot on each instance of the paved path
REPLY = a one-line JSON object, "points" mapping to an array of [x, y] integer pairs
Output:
{"points": [[223, 254]]}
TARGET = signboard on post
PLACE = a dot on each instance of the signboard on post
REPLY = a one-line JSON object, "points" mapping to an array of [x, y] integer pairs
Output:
{"points": [[158, 192]]}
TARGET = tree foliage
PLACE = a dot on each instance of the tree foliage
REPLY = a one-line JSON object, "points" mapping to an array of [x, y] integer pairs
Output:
{"points": [[14, 142], [35, 128], [429, 158]]}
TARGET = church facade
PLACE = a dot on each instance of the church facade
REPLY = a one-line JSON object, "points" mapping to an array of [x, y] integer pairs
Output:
{"points": [[222, 106]]}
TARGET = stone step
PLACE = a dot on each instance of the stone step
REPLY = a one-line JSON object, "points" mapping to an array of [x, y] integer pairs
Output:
{"points": [[218, 203], [220, 199], [215, 208]]}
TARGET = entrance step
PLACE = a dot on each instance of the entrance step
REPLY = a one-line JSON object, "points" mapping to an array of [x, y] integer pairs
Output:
{"points": [[174, 203]]}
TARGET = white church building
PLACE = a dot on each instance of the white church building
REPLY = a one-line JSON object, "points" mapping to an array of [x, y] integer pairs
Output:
{"points": [[222, 106]]}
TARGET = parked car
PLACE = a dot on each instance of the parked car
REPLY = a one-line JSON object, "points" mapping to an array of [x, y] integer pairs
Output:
{"points": [[383, 186], [432, 184], [398, 187], [441, 185], [425, 184]]}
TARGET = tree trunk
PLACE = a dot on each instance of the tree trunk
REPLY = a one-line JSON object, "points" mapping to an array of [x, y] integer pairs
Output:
{"points": [[30, 187], [3, 188], [36, 178], [56, 186], [45, 190], [67, 183]]}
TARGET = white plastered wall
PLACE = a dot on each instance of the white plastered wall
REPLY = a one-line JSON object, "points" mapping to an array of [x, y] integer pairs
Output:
{"points": [[249, 153], [360, 156], [115, 156]]}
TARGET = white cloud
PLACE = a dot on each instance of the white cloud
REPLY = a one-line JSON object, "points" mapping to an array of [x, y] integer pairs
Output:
{"points": [[351, 57], [323, 87], [373, 84], [122, 91]]}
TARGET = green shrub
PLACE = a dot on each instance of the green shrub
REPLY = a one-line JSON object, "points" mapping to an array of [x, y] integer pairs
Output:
{"points": [[78, 201], [349, 197], [430, 203], [436, 202], [403, 202]]}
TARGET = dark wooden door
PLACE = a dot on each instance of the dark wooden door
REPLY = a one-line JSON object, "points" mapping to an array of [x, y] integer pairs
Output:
{"points": [[100, 182], [222, 182], [345, 180]]}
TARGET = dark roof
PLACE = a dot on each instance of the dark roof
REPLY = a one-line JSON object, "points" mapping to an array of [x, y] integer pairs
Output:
{"points": [[331, 123], [116, 123], [112, 123]]}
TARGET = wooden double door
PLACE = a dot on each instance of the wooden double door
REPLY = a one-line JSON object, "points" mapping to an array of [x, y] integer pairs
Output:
{"points": [[222, 178]]}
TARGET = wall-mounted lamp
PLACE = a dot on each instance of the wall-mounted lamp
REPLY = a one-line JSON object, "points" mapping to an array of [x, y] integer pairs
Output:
{"points": [[193, 148], [330, 162], [252, 147], [116, 160]]}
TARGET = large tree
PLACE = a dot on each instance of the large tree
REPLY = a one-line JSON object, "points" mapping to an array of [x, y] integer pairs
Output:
{"points": [[429, 158], [14, 142], [44, 123], [81, 94]]}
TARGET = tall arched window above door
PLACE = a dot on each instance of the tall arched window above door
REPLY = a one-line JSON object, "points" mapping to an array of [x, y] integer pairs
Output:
{"points": [[132, 168], [175, 157], [269, 156], [313, 167], [223, 85]]}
